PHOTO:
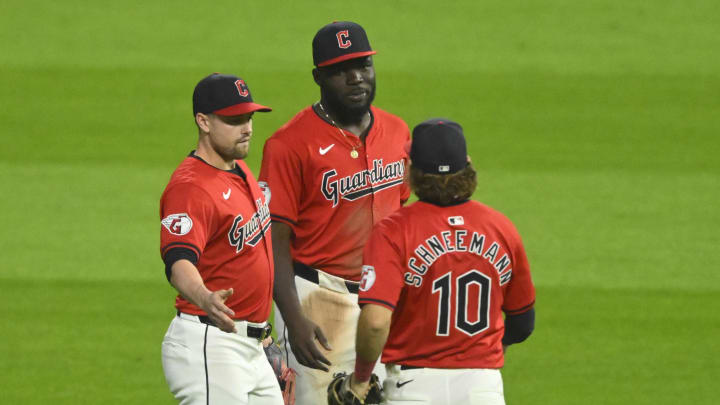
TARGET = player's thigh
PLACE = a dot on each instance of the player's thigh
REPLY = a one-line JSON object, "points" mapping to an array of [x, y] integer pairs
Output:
{"points": [[485, 398], [266, 399], [487, 387], [237, 369], [443, 386], [413, 386], [267, 389], [183, 361], [322, 306], [266, 394], [336, 314]]}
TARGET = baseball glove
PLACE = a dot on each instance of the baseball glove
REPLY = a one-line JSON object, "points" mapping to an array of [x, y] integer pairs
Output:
{"points": [[339, 392], [285, 375]]}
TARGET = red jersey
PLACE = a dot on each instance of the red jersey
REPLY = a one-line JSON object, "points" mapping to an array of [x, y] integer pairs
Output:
{"points": [[224, 218], [329, 199], [447, 273]]}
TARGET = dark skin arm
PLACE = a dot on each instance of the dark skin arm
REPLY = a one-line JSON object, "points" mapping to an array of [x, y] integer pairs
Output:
{"points": [[302, 332]]}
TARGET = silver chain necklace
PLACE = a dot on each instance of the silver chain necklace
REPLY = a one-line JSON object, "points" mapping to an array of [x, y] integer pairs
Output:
{"points": [[353, 153]]}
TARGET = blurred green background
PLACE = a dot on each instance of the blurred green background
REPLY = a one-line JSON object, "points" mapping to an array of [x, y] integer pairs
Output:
{"points": [[594, 125]]}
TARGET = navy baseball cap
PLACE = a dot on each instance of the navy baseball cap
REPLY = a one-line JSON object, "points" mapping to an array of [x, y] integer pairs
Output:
{"points": [[338, 42], [438, 146], [224, 95]]}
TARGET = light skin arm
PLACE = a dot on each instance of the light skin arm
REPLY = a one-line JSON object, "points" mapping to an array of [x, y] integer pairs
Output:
{"points": [[372, 332], [186, 279], [302, 331]]}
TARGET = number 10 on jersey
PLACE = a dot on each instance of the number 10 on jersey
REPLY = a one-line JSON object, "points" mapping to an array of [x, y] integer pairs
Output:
{"points": [[444, 286]]}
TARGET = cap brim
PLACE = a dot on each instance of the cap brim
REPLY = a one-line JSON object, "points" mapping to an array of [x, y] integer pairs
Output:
{"points": [[348, 56], [242, 108]]}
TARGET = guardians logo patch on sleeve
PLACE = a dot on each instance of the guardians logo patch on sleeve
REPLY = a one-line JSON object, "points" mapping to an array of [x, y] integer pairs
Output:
{"points": [[177, 224], [368, 277]]}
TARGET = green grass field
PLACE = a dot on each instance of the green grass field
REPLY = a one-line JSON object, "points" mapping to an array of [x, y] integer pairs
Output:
{"points": [[595, 126]]}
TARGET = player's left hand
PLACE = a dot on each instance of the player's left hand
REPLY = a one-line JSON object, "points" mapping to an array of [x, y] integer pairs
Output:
{"points": [[345, 390]]}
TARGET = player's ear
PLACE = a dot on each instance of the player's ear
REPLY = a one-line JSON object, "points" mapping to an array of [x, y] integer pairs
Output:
{"points": [[316, 76], [203, 122]]}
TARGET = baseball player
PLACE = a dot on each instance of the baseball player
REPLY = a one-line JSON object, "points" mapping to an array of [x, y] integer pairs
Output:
{"points": [[437, 277], [215, 242], [334, 170]]}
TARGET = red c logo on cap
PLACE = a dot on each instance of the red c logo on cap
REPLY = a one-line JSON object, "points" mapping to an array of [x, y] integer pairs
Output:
{"points": [[343, 41], [242, 87]]}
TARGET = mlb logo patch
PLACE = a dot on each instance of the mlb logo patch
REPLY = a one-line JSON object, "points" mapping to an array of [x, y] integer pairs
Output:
{"points": [[458, 220]]}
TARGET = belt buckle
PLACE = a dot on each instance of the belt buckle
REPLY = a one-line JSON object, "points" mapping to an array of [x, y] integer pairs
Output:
{"points": [[263, 333], [267, 330]]}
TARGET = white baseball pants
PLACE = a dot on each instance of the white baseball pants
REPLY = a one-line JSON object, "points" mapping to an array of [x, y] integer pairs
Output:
{"points": [[336, 311], [206, 366], [434, 386]]}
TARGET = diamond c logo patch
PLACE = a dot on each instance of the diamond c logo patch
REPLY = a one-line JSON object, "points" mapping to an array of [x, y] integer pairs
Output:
{"points": [[266, 190], [368, 278], [177, 224]]}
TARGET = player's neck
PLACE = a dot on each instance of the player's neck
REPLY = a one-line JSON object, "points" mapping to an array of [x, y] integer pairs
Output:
{"points": [[355, 123], [212, 158]]}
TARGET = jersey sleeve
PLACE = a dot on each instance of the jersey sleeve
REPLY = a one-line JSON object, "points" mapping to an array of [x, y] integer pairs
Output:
{"points": [[382, 279], [281, 171], [186, 219], [520, 293]]}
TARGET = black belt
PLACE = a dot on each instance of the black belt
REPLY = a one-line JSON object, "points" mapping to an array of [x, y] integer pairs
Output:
{"points": [[404, 367], [308, 273], [257, 332]]}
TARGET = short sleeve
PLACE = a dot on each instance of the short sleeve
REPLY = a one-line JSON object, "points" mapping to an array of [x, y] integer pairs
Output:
{"points": [[281, 171], [382, 279], [520, 292], [186, 219]]}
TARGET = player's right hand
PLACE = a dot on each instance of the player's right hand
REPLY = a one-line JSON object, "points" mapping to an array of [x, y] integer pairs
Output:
{"points": [[302, 335], [218, 312]]}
